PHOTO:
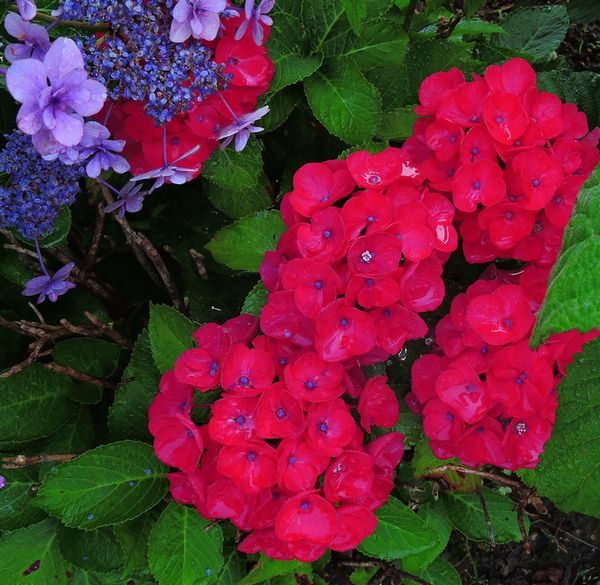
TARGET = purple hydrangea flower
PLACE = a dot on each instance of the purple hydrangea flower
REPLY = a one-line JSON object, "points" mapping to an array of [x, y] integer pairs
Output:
{"points": [[254, 18], [27, 9], [47, 286], [131, 199], [2, 481], [34, 41], [196, 18], [57, 106], [176, 174], [242, 128], [97, 148]]}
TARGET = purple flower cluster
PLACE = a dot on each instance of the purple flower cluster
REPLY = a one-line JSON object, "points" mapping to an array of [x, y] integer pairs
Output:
{"points": [[33, 190], [137, 59]]}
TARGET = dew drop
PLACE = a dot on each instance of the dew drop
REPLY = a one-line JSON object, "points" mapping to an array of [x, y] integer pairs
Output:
{"points": [[90, 516], [147, 471], [131, 483]]}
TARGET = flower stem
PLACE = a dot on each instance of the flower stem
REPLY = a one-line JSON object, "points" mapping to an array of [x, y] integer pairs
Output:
{"points": [[40, 259]]}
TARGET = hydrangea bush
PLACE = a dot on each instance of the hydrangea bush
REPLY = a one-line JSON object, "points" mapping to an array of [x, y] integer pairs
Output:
{"points": [[292, 290]]}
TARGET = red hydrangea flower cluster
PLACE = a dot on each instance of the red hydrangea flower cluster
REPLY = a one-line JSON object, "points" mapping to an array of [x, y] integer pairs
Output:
{"points": [[283, 455], [249, 71], [486, 397], [512, 159]]}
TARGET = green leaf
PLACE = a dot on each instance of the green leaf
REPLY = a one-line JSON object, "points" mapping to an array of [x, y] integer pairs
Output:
{"points": [[568, 472], [91, 356], [382, 43], [363, 576], [33, 404], [466, 513], [96, 550], [356, 12], [439, 572], [288, 49], [61, 229], [572, 299], [399, 85], [320, 18], [128, 416], [266, 569], [235, 170], [170, 335], [399, 533], [16, 498], [581, 88], [30, 555], [242, 245], [236, 204], [397, 124], [476, 27], [344, 102], [233, 569], [12, 268], [583, 11], [76, 435], [94, 357], [434, 517], [107, 485], [535, 31], [256, 300], [281, 106], [133, 537], [182, 550]]}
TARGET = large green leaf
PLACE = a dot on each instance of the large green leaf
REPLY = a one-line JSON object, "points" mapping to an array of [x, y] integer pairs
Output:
{"points": [[96, 550], [233, 569], [133, 537], [569, 468], [439, 572], [16, 498], [236, 204], [170, 335], [534, 31], [434, 517], [281, 105], [382, 43], [128, 416], [466, 513], [235, 170], [356, 12], [183, 549], [95, 357], [107, 485], [33, 404], [31, 555], [399, 533], [346, 103], [572, 300], [320, 18], [242, 245], [289, 51]]}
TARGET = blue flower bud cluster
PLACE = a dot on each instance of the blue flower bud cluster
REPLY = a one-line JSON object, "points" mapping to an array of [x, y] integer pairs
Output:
{"points": [[32, 190], [136, 60]]}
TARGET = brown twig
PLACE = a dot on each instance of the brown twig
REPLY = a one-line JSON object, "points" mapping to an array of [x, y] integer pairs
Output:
{"points": [[77, 375], [491, 476], [446, 26], [198, 259], [139, 241], [20, 461], [97, 237]]}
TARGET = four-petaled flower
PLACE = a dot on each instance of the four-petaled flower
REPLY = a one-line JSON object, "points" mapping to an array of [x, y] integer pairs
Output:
{"points": [[196, 18]]}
